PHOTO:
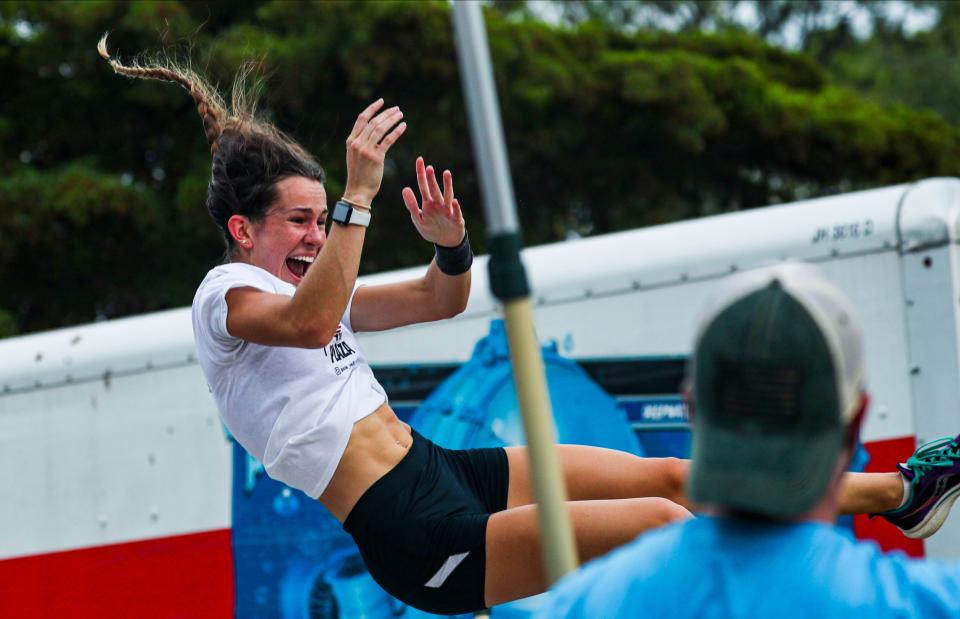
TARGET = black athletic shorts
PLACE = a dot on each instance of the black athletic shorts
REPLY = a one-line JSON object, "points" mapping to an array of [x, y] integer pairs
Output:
{"points": [[421, 528]]}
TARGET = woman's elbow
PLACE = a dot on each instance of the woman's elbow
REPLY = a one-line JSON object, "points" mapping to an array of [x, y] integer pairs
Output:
{"points": [[458, 306], [317, 334], [462, 297]]}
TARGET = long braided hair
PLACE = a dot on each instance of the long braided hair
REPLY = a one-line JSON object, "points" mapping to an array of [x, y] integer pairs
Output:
{"points": [[250, 155]]}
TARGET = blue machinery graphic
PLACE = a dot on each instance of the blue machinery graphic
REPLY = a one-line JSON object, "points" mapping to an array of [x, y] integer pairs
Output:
{"points": [[294, 561]]}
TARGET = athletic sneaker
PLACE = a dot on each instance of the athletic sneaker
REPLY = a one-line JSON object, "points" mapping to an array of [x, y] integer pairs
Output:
{"points": [[933, 472]]}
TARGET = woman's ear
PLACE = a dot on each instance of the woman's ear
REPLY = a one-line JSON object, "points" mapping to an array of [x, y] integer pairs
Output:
{"points": [[240, 229]]}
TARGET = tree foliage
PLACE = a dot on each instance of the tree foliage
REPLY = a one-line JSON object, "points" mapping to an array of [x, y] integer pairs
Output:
{"points": [[103, 178], [918, 69]]}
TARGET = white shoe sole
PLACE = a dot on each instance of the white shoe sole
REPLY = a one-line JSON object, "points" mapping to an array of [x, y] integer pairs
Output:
{"points": [[936, 517]]}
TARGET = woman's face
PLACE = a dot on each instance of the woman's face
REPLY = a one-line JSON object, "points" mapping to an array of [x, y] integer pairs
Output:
{"points": [[292, 233]]}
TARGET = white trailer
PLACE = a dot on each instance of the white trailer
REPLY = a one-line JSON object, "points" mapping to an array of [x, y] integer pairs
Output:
{"points": [[112, 456]]}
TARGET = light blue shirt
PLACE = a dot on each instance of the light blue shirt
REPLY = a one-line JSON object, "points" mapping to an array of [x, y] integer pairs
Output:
{"points": [[713, 568]]}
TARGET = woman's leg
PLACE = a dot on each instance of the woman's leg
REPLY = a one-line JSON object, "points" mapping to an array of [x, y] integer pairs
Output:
{"points": [[514, 563], [597, 473], [870, 493]]}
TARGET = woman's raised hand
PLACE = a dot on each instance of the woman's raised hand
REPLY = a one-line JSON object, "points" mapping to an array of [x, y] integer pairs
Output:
{"points": [[367, 144], [438, 219]]}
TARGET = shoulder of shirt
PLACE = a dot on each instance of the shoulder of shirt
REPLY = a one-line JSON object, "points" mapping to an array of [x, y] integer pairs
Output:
{"points": [[232, 273], [240, 269], [623, 569], [578, 591], [624, 560], [243, 271]]}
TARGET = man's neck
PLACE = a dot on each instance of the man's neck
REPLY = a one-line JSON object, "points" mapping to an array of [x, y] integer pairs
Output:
{"points": [[825, 511], [812, 516]]}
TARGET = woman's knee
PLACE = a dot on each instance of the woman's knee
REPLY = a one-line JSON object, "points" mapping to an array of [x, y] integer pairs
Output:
{"points": [[665, 511], [675, 473]]}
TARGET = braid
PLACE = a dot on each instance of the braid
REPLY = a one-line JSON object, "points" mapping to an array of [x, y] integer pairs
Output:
{"points": [[207, 100], [250, 155]]}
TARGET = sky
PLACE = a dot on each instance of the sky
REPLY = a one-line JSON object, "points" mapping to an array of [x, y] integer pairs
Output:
{"points": [[914, 19]]}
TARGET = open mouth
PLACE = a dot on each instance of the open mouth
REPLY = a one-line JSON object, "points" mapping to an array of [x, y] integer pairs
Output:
{"points": [[298, 265]]}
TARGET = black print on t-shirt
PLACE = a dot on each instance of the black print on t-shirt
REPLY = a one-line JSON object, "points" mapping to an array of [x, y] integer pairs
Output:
{"points": [[338, 349]]}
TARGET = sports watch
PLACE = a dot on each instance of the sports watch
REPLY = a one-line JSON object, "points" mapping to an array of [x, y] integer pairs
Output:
{"points": [[345, 213]]}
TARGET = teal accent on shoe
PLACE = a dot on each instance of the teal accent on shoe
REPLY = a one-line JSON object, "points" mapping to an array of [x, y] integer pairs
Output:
{"points": [[935, 445]]}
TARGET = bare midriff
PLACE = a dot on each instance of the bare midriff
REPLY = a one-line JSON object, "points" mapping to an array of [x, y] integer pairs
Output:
{"points": [[377, 443]]}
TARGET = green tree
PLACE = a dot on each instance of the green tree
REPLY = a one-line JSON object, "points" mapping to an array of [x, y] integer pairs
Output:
{"points": [[893, 65], [76, 243], [102, 179]]}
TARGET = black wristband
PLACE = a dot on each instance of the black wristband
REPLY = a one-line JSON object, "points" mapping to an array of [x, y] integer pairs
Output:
{"points": [[455, 260]]}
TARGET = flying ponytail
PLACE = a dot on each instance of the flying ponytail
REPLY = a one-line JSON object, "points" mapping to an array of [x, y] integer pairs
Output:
{"points": [[249, 154], [209, 104]]}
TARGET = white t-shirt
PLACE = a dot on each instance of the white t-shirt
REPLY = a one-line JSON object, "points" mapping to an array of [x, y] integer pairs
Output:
{"points": [[291, 408]]}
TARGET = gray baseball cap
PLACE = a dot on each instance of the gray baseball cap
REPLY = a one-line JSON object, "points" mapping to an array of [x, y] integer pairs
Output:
{"points": [[777, 375]]}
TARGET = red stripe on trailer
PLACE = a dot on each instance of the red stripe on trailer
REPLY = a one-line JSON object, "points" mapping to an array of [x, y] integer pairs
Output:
{"points": [[182, 576], [884, 456]]}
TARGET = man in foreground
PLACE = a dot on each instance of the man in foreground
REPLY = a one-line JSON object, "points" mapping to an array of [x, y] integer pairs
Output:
{"points": [[777, 403]]}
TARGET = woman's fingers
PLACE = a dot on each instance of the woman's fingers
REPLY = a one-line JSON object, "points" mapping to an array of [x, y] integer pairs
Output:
{"points": [[434, 199], [422, 179], [377, 128], [438, 219], [364, 119], [435, 194], [389, 123], [393, 136], [410, 201], [447, 189]]}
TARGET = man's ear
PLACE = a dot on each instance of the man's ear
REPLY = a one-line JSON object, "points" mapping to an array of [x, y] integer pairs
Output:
{"points": [[240, 229], [853, 429], [686, 389]]}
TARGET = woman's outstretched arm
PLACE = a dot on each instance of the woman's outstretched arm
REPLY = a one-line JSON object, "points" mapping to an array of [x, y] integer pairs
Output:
{"points": [[311, 316], [436, 295]]}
